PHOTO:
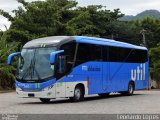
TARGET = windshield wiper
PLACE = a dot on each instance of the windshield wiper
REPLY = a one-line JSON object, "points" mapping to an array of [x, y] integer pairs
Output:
{"points": [[27, 70], [31, 69]]}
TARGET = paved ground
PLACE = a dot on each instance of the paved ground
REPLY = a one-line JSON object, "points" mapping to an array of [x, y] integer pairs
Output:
{"points": [[141, 102]]}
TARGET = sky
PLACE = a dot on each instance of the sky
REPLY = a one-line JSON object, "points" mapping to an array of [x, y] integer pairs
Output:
{"points": [[128, 7]]}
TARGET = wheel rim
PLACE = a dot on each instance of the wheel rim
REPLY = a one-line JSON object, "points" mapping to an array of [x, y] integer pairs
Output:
{"points": [[130, 88], [77, 94]]}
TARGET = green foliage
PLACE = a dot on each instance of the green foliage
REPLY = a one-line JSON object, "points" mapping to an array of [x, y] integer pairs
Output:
{"points": [[6, 15], [152, 28], [6, 72], [155, 63], [58, 17]]}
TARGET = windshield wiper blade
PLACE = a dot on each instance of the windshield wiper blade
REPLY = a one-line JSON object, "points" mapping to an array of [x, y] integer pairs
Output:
{"points": [[27, 70], [31, 69]]}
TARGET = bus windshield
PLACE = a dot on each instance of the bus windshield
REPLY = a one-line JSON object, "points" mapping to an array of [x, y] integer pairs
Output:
{"points": [[34, 64]]}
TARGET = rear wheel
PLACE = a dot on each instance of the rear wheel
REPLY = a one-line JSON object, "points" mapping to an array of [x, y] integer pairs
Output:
{"points": [[103, 95], [130, 89], [78, 94], [45, 100]]}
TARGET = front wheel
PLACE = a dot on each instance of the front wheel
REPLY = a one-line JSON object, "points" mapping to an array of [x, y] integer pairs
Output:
{"points": [[78, 94], [45, 100]]}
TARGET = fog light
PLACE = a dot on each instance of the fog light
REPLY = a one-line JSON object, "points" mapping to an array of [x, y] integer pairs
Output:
{"points": [[18, 88]]}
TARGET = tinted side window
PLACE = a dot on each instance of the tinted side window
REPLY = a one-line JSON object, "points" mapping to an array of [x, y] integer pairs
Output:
{"points": [[69, 50], [68, 55], [144, 55], [138, 56], [105, 51], [117, 54], [96, 52], [88, 52]]}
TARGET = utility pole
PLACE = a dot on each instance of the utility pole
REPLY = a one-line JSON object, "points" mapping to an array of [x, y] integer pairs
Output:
{"points": [[143, 32]]}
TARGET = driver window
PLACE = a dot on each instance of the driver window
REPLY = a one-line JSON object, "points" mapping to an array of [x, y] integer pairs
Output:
{"points": [[67, 58]]}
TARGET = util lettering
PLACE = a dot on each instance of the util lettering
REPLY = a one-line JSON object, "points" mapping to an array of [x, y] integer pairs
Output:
{"points": [[138, 73]]}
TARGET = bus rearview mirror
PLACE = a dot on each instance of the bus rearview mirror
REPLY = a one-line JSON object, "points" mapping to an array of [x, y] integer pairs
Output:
{"points": [[53, 54], [62, 64], [10, 57]]}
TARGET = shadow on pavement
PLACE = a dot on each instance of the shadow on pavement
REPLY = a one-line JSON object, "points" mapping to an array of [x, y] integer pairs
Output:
{"points": [[89, 98]]}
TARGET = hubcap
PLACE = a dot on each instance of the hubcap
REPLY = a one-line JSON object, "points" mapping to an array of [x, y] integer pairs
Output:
{"points": [[131, 88], [77, 93]]}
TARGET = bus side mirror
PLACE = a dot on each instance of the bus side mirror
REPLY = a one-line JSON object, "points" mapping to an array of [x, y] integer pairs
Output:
{"points": [[62, 64], [10, 57], [52, 56]]}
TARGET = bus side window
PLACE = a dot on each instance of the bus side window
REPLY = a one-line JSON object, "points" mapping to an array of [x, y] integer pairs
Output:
{"points": [[83, 53], [138, 56], [88, 52], [105, 53], [96, 52], [67, 57]]}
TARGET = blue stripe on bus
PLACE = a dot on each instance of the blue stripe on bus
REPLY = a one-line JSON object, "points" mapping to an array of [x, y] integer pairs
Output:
{"points": [[31, 86]]}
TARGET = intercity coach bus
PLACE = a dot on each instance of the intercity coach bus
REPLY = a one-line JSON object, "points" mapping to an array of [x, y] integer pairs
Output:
{"points": [[75, 66]]}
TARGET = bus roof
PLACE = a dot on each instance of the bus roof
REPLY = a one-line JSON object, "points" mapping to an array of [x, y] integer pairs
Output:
{"points": [[109, 42], [48, 41], [59, 40]]}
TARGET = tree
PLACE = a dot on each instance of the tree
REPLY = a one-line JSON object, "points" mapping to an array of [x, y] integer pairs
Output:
{"points": [[6, 72], [155, 63], [39, 19], [58, 17], [152, 28]]}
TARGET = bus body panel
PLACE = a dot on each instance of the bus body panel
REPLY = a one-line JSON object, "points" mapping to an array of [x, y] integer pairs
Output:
{"points": [[92, 75]]}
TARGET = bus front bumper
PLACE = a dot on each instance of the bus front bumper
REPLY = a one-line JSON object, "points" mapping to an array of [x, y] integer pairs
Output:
{"points": [[39, 94]]}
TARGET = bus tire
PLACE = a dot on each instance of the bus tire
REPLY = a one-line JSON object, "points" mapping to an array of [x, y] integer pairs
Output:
{"points": [[45, 100], [78, 94], [130, 90], [103, 95]]}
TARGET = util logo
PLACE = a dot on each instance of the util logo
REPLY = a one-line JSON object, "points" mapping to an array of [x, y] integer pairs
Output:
{"points": [[138, 73]]}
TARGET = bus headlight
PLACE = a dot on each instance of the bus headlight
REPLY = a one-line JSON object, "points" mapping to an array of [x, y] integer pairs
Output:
{"points": [[18, 88], [47, 88]]}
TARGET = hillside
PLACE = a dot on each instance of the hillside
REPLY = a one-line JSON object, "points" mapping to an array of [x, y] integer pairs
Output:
{"points": [[155, 14]]}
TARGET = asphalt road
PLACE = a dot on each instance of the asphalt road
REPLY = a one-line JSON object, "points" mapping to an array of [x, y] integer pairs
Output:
{"points": [[141, 102]]}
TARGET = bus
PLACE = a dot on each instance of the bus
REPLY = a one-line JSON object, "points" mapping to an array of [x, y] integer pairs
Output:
{"points": [[77, 66]]}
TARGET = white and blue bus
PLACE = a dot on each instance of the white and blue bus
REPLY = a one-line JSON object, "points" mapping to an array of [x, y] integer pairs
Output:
{"points": [[75, 66]]}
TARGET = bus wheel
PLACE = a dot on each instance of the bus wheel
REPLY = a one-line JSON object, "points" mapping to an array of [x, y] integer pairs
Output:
{"points": [[130, 89], [103, 95], [45, 100], [78, 94]]}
